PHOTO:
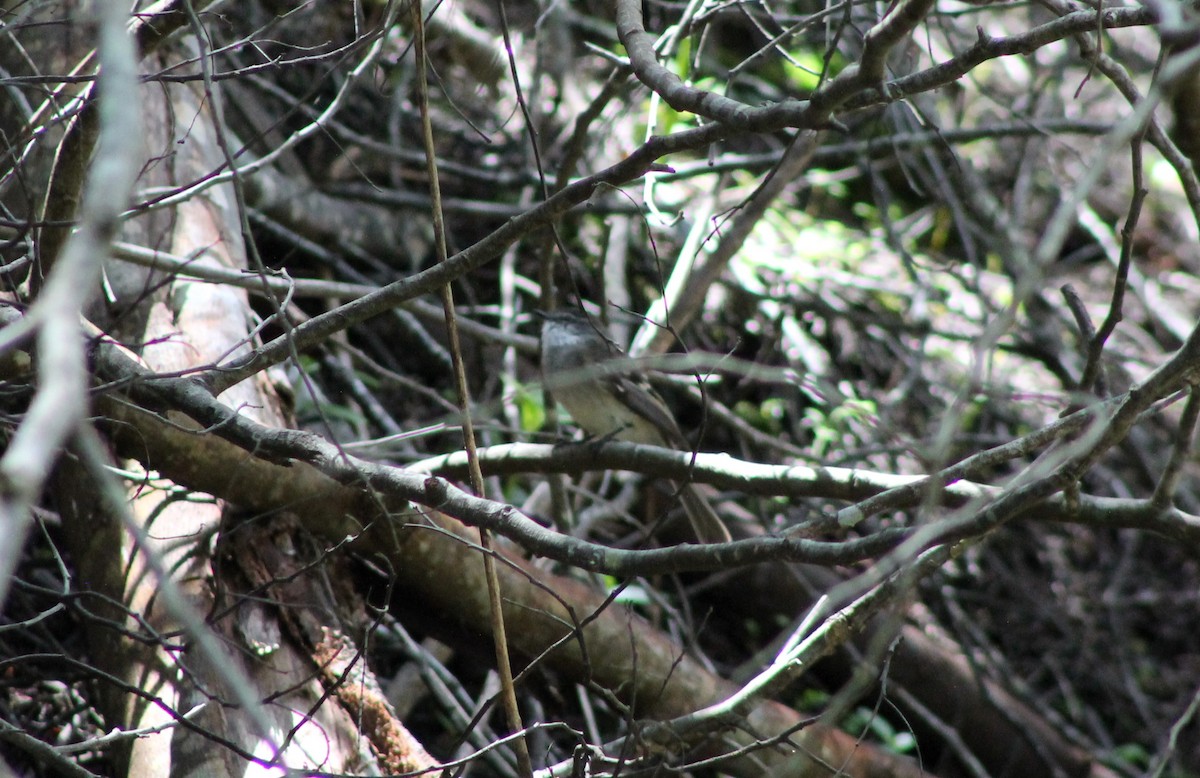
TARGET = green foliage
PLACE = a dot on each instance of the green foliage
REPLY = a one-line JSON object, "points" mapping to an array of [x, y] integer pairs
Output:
{"points": [[767, 416], [802, 72], [531, 407], [900, 741], [633, 594], [800, 248], [1130, 755], [862, 719], [972, 411], [829, 428], [307, 407], [811, 700]]}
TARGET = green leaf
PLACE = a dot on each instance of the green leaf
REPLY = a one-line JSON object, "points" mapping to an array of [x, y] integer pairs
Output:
{"points": [[532, 410]]}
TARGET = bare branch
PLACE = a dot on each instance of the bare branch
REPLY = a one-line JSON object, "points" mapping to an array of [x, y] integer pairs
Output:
{"points": [[60, 404]]}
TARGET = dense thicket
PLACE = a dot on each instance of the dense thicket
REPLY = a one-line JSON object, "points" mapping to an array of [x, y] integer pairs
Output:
{"points": [[917, 280]]}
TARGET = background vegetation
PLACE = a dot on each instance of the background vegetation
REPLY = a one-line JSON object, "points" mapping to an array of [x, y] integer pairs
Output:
{"points": [[920, 280]]}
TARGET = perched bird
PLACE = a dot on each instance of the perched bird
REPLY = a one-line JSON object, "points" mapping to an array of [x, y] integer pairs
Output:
{"points": [[613, 405]]}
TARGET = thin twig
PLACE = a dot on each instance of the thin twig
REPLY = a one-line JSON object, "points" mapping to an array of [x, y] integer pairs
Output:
{"points": [[1164, 490], [499, 638]]}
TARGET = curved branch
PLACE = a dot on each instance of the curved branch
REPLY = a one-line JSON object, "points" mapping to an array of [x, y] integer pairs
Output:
{"points": [[397, 486]]}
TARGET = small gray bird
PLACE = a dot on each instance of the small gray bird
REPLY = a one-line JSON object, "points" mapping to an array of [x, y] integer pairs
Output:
{"points": [[614, 405]]}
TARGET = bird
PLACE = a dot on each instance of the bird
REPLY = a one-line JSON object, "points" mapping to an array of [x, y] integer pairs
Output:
{"points": [[615, 406]]}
